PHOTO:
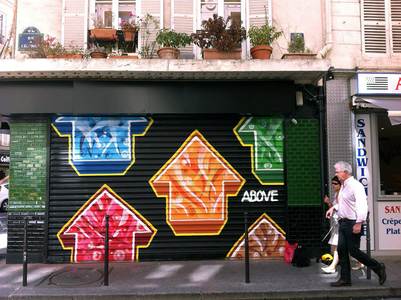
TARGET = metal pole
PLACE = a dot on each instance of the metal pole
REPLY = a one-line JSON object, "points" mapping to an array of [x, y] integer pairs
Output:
{"points": [[246, 248], [106, 253], [25, 255], [368, 270]]}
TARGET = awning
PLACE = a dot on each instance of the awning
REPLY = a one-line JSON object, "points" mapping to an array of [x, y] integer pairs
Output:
{"points": [[391, 104]]}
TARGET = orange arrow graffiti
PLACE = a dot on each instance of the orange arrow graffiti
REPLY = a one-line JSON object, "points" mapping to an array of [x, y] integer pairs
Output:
{"points": [[196, 182]]}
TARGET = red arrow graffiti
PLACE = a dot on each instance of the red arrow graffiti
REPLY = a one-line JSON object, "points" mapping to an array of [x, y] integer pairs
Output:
{"points": [[196, 182], [84, 233]]}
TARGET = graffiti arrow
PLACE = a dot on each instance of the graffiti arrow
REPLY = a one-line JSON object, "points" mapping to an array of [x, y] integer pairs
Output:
{"points": [[196, 182], [265, 136], [84, 233]]}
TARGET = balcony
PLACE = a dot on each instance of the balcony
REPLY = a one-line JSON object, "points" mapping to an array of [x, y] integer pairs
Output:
{"points": [[301, 71]]}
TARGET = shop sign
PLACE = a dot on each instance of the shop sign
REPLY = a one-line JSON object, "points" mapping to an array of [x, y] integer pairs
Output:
{"points": [[389, 225], [4, 159], [363, 162], [377, 83]]}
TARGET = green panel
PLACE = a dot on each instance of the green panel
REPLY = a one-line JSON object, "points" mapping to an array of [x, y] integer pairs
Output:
{"points": [[303, 163], [28, 166]]}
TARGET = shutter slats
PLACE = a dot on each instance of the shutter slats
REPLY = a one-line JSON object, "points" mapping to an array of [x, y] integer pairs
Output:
{"points": [[396, 26], [259, 12], [74, 23], [375, 38], [396, 34], [183, 22], [374, 26]]}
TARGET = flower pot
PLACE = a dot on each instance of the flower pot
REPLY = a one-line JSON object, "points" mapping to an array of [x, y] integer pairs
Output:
{"points": [[129, 35], [261, 52], [299, 56], [123, 57], [66, 56], [97, 54], [168, 53], [104, 34], [216, 54]]}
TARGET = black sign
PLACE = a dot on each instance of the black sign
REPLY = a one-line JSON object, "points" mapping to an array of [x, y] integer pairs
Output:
{"points": [[4, 159], [29, 39]]}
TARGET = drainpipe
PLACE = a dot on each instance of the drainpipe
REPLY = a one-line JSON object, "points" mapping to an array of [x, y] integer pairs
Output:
{"points": [[322, 53]]}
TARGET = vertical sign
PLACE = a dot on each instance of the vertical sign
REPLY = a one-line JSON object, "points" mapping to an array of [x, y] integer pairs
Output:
{"points": [[389, 227], [363, 148]]}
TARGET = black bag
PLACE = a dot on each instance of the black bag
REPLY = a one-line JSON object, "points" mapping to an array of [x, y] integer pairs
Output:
{"points": [[301, 257]]}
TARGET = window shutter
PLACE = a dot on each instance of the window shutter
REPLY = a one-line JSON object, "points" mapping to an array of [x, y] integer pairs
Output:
{"points": [[74, 23], [374, 26], [152, 7], [396, 26], [183, 21], [258, 12]]}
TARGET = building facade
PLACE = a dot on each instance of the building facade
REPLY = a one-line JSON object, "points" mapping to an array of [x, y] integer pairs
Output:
{"points": [[176, 151], [363, 101]]}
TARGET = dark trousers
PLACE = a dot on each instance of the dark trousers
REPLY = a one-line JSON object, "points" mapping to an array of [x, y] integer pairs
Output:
{"points": [[348, 244]]}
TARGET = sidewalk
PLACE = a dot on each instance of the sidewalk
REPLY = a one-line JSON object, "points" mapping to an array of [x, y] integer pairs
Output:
{"points": [[191, 280]]}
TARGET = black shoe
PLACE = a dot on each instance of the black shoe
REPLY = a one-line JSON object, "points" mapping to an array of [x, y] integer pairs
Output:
{"points": [[382, 274], [341, 282]]}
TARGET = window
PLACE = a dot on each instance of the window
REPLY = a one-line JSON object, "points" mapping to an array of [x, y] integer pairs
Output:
{"points": [[381, 26], [105, 11], [223, 8], [390, 156]]}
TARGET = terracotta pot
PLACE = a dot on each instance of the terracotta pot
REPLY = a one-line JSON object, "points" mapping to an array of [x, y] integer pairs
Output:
{"points": [[299, 56], [129, 35], [66, 56], [72, 56], [215, 54], [168, 53], [261, 52], [97, 54], [104, 34], [123, 57]]}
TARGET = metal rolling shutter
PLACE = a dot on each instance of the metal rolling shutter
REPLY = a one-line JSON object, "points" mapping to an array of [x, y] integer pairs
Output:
{"points": [[142, 188]]}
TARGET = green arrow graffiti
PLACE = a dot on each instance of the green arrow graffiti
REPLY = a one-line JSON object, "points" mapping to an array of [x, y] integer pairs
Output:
{"points": [[265, 136]]}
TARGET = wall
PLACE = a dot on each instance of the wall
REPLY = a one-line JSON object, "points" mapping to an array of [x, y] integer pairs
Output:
{"points": [[44, 15], [346, 52], [298, 16], [28, 187]]}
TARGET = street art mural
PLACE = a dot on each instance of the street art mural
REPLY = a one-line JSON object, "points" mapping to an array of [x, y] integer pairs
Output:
{"points": [[265, 136], [101, 145], [192, 180], [84, 233], [266, 240], [196, 182]]}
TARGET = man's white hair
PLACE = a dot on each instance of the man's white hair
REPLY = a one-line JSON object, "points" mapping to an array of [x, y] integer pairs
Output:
{"points": [[343, 166]]}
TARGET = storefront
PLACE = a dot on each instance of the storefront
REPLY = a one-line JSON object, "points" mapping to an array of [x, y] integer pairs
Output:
{"points": [[377, 142], [175, 164]]}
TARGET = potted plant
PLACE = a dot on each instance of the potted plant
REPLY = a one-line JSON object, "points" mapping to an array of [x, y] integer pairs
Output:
{"points": [[101, 33], [296, 48], [50, 48], [169, 42], [99, 52], [219, 38], [129, 29], [261, 39], [148, 25]]}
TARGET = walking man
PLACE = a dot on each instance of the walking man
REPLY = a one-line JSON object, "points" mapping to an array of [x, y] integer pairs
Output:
{"points": [[352, 209]]}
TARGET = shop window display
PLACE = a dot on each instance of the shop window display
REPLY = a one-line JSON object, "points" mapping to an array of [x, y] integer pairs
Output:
{"points": [[390, 156]]}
